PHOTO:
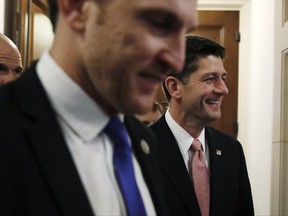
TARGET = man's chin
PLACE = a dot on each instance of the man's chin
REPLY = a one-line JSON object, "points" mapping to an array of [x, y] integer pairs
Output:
{"points": [[138, 108], [212, 117], [215, 118]]}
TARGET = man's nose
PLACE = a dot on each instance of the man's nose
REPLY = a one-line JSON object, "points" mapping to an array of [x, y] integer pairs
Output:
{"points": [[221, 88]]}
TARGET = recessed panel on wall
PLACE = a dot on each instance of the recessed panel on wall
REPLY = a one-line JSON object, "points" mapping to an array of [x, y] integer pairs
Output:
{"points": [[284, 138], [284, 97], [285, 12]]}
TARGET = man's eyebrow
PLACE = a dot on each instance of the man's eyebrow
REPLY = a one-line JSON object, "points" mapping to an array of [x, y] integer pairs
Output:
{"points": [[159, 12], [224, 73]]}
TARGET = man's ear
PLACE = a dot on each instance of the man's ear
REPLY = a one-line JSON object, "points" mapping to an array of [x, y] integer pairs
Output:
{"points": [[173, 86], [73, 11]]}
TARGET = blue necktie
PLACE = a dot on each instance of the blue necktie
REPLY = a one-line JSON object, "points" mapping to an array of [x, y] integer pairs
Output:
{"points": [[122, 159]]}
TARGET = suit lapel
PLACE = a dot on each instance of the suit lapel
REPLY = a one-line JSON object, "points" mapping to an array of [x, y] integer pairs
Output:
{"points": [[218, 169], [43, 131], [173, 165], [143, 143], [217, 156]]}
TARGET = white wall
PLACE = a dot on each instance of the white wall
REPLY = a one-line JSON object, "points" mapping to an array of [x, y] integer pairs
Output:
{"points": [[2, 11], [280, 138], [257, 103], [256, 86]]}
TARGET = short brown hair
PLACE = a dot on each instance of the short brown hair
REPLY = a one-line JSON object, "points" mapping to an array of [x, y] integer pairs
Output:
{"points": [[196, 48]]}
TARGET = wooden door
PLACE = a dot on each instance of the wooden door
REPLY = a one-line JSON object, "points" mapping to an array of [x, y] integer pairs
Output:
{"points": [[222, 27], [29, 27]]}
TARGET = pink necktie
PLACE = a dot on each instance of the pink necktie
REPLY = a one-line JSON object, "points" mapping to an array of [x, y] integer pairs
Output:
{"points": [[200, 178]]}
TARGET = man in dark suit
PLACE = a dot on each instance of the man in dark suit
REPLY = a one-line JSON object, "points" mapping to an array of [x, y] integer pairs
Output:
{"points": [[58, 151], [195, 97]]}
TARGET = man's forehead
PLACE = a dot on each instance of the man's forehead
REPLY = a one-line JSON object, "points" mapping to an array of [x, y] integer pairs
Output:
{"points": [[184, 10], [8, 48], [10, 61], [188, 6]]}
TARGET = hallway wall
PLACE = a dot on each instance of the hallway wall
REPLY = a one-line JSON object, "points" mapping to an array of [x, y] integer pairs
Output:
{"points": [[2, 11], [258, 100], [256, 91]]}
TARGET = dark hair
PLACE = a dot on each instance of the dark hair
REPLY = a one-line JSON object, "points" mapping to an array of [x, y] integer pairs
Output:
{"points": [[196, 48], [53, 12]]}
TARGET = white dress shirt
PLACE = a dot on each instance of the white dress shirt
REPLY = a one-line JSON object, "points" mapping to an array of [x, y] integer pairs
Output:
{"points": [[82, 122], [184, 140]]}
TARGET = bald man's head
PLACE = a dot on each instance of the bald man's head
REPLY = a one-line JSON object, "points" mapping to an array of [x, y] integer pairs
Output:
{"points": [[10, 60]]}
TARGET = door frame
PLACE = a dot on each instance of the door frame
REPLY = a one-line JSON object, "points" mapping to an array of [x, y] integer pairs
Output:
{"points": [[244, 16]]}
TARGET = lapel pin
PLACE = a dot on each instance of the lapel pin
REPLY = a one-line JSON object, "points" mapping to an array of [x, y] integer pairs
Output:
{"points": [[145, 147], [218, 152]]}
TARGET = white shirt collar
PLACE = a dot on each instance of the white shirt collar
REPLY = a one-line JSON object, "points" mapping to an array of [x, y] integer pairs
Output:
{"points": [[183, 138], [70, 101]]}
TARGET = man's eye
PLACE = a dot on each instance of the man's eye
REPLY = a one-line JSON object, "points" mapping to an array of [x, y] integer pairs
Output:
{"points": [[210, 78], [18, 70], [161, 23], [3, 69]]}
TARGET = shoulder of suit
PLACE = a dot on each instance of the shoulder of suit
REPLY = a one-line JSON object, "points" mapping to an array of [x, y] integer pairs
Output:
{"points": [[215, 132], [136, 125]]}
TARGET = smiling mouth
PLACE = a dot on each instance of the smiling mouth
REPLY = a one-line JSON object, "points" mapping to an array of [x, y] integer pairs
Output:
{"points": [[216, 102]]}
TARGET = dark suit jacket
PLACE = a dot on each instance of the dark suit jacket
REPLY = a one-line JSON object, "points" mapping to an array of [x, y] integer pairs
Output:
{"points": [[229, 183], [38, 175]]}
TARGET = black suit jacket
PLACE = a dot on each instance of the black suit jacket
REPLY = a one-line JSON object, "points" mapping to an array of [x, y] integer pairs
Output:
{"points": [[230, 192], [38, 175]]}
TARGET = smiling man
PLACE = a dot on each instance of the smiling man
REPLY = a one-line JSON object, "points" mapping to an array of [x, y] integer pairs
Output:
{"points": [[70, 144], [218, 165]]}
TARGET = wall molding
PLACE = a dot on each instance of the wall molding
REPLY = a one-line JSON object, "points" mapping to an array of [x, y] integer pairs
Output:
{"points": [[228, 5]]}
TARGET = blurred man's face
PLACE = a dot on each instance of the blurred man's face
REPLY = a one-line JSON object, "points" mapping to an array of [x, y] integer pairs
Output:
{"points": [[130, 46]]}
